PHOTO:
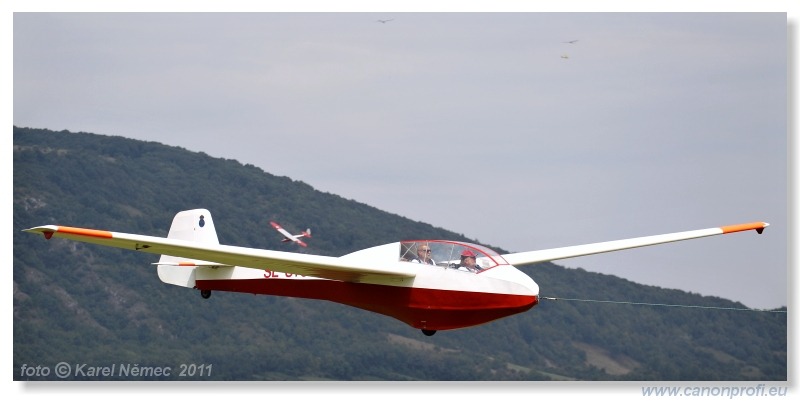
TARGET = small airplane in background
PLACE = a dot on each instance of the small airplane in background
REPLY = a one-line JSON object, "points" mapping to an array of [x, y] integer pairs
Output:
{"points": [[565, 56], [385, 21], [460, 285], [289, 237]]}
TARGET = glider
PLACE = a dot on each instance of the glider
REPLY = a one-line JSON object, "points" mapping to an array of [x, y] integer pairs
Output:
{"points": [[385, 21], [382, 279], [572, 42], [289, 237]]}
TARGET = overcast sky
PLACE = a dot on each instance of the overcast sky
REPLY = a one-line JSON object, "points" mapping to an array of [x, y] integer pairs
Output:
{"points": [[487, 124]]}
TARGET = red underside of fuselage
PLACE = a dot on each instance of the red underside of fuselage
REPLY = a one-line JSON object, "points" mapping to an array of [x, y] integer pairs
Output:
{"points": [[418, 307]]}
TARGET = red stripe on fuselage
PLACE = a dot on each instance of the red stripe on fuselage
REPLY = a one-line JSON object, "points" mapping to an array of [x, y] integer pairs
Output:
{"points": [[418, 307]]}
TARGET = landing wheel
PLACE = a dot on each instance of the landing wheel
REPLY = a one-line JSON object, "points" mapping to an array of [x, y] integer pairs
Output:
{"points": [[428, 332], [205, 294]]}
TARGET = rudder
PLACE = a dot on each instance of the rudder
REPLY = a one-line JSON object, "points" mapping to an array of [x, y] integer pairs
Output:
{"points": [[195, 226]]}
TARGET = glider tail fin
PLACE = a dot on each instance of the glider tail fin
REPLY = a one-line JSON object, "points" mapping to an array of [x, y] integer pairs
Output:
{"points": [[193, 226]]}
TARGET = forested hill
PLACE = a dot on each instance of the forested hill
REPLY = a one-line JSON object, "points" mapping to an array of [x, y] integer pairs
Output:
{"points": [[101, 307]]}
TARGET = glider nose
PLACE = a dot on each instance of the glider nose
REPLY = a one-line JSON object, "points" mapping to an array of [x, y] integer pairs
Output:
{"points": [[526, 285], [534, 288]]}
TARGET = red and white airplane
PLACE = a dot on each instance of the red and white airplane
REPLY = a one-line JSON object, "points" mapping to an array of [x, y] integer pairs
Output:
{"points": [[449, 285], [288, 237]]}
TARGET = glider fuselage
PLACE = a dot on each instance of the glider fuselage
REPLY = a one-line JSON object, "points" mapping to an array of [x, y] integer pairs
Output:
{"points": [[436, 299]]}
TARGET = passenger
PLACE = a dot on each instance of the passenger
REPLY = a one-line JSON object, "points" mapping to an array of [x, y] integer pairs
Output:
{"points": [[468, 262], [424, 255]]}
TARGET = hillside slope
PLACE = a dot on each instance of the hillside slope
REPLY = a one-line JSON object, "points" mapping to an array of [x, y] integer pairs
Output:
{"points": [[84, 304]]}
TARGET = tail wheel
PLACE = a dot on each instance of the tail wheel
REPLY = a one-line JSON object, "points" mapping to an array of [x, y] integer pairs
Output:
{"points": [[428, 332], [205, 294]]}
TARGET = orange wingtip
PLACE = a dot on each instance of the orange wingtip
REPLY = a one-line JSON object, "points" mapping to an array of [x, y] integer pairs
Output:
{"points": [[85, 232], [758, 226]]}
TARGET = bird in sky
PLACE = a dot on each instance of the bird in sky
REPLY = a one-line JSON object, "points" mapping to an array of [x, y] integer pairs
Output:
{"points": [[385, 21], [572, 42]]}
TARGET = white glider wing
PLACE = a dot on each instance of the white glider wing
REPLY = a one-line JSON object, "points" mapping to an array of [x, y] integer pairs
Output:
{"points": [[210, 255], [547, 255]]}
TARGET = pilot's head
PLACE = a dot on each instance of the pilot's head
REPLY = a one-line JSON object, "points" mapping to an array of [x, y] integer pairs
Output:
{"points": [[466, 253]]}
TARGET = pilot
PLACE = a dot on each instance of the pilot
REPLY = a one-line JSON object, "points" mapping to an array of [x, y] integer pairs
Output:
{"points": [[468, 262], [424, 255]]}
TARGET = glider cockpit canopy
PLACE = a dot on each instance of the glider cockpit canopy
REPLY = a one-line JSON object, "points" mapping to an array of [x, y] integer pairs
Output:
{"points": [[447, 254]]}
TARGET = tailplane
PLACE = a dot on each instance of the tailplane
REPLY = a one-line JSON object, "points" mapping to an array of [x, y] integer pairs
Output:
{"points": [[192, 226]]}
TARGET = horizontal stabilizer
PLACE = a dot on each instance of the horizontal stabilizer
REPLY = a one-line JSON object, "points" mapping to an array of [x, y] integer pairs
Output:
{"points": [[193, 264]]}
